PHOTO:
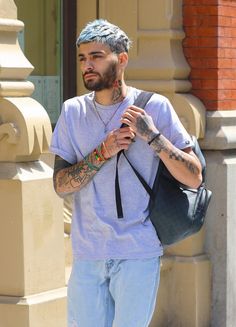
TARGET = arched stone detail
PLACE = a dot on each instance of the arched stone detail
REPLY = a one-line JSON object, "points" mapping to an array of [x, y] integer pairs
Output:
{"points": [[25, 129]]}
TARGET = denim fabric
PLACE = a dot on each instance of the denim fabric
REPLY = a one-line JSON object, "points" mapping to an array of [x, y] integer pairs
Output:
{"points": [[118, 293]]}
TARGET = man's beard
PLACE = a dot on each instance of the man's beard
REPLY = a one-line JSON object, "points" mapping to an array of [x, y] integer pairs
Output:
{"points": [[105, 81]]}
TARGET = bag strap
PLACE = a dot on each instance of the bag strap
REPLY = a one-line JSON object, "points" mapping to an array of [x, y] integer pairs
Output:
{"points": [[140, 102]]}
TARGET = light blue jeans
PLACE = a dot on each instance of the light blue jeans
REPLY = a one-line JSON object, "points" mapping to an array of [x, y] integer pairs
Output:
{"points": [[118, 293]]}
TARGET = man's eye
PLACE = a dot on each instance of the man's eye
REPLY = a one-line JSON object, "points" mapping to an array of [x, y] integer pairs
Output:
{"points": [[97, 56]]}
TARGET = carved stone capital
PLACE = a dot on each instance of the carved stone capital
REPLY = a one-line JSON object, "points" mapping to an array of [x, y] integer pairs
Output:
{"points": [[25, 129], [13, 63]]}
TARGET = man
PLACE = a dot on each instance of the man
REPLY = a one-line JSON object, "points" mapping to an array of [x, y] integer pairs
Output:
{"points": [[115, 273]]}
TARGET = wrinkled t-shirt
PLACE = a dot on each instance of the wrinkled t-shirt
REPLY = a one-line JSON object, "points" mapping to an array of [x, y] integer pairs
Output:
{"points": [[97, 233]]}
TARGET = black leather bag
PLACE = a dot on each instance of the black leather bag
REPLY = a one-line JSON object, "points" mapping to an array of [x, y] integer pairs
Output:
{"points": [[175, 210]]}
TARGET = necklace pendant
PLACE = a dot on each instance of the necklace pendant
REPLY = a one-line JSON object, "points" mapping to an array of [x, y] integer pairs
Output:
{"points": [[106, 129]]}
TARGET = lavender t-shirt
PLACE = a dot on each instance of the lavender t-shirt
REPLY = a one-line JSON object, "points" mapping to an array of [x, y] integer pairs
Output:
{"points": [[97, 233]]}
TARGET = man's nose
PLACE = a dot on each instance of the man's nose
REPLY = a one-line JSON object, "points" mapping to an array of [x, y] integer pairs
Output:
{"points": [[88, 65]]}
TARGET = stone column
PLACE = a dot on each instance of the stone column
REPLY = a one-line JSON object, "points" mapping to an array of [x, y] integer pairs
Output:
{"points": [[220, 152], [32, 283]]}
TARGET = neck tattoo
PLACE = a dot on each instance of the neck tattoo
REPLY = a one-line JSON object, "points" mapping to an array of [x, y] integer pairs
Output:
{"points": [[117, 91]]}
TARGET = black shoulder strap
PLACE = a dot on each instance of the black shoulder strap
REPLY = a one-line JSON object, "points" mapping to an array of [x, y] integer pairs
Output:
{"points": [[142, 99], [140, 102]]}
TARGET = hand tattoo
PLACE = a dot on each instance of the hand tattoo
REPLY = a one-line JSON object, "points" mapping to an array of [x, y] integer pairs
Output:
{"points": [[143, 126]]}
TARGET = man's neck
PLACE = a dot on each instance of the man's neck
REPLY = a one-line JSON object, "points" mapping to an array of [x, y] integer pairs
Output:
{"points": [[111, 96]]}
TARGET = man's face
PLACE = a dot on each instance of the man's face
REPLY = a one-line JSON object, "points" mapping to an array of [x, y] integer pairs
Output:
{"points": [[98, 65]]}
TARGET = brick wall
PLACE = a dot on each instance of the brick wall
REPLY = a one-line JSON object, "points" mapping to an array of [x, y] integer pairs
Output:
{"points": [[210, 49]]}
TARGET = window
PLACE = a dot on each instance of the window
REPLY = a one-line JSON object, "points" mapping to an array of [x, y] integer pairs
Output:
{"points": [[47, 24]]}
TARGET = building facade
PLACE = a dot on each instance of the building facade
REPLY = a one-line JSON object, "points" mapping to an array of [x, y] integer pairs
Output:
{"points": [[183, 49]]}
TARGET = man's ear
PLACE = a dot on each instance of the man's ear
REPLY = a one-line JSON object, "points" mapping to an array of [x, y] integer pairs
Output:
{"points": [[123, 59]]}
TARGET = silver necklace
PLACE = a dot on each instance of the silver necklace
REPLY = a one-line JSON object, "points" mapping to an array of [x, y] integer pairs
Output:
{"points": [[99, 116]]}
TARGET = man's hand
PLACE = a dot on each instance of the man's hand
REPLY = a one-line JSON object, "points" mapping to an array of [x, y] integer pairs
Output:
{"points": [[140, 122], [118, 140]]}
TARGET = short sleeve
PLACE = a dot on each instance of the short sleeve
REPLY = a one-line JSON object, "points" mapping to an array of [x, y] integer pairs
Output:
{"points": [[61, 144], [168, 122]]}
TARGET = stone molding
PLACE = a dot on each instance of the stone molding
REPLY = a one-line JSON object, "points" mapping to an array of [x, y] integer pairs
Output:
{"points": [[221, 130]]}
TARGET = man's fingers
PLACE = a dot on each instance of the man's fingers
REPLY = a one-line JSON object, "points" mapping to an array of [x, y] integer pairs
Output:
{"points": [[125, 132], [136, 109]]}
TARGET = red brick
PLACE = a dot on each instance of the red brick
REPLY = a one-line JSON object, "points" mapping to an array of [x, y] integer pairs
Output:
{"points": [[233, 63], [225, 21], [227, 31], [209, 84], [207, 42], [229, 53], [226, 105], [201, 52], [200, 21], [227, 42], [226, 84], [231, 3], [196, 84], [211, 105], [192, 10], [206, 94], [221, 53], [191, 42], [196, 62], [225, 63], [194, 42], [203, 63], [227, 74], [210, 63], [233, 95], [201, 31], [210, 49], [192, 21], [228, 11], [199, 2], [220, 105], [207, 9], [225, 95], [204, 73]]}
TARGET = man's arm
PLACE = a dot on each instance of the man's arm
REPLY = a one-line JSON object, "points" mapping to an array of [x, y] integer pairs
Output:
{"points": [[182, 164], [68, 178]]}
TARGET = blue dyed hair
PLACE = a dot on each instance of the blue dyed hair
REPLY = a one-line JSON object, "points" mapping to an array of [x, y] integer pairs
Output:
{"points": [[102, 31]]}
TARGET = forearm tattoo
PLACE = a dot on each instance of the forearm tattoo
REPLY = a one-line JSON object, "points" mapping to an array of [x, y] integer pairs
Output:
{"points": [[159, 145], [178, 156], [68, 178]]}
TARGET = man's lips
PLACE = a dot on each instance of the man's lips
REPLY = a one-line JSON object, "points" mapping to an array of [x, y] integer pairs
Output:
{"points": [[90, 75]]}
